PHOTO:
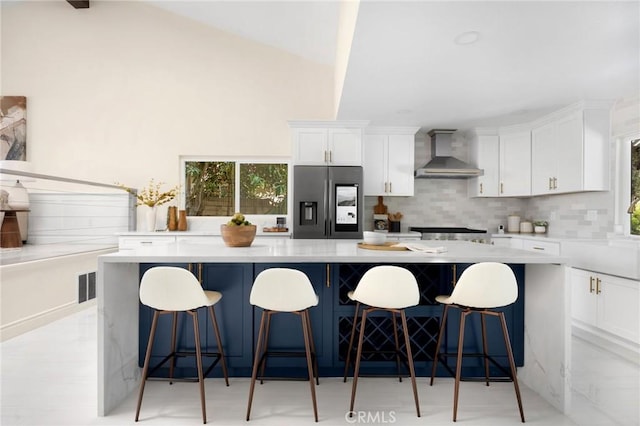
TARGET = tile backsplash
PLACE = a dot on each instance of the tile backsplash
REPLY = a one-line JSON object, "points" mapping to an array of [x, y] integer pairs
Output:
{"points": [[444, 202]]}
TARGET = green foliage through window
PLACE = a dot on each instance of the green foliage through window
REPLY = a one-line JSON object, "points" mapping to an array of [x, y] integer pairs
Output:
{"points": [[635, 187], [210, 188]]}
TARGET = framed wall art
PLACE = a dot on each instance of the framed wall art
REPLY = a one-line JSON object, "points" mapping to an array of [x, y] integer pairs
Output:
{"points": [[13, 128]]}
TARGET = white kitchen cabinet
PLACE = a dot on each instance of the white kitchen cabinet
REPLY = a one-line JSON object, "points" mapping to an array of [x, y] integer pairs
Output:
{"points": [[130, 242], [327, 143], [570, 150], [484, 153], [547, 247], [389, 161], [504, 155], [515, 162], [601, 302]]}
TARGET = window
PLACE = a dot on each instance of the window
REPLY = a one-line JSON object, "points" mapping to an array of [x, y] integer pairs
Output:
{"points": [[223, 187], [634, 205], [627, 189]]}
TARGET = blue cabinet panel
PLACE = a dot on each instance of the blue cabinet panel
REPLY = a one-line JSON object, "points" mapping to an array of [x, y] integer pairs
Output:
{"points": [[286, 328], [233, 281]]}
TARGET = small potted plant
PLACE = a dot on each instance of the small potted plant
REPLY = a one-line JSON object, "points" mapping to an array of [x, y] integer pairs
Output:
{"points": [[540, 226]]}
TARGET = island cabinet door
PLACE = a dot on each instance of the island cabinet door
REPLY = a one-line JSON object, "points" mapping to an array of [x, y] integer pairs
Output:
{"points": [[286, 328], [514, 317], [379, 342], [234, 320]]}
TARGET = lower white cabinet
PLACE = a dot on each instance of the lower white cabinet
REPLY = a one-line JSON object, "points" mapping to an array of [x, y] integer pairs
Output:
{"points": [[129, 242], [535, 245], [605, 302]]}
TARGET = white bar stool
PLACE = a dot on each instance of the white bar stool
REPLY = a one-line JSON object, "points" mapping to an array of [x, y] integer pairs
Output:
{"points": [[384, 288], [169, 290], [481, 287], [279, 290]]}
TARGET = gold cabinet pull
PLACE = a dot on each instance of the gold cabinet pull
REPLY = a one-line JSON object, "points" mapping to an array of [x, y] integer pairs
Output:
{"points": [[550, 183], [325, 156], [390, 190], [598, 289], [555, 183], [590, 284], [328, 276], [454, 279], [386, 187], [200, 273], [501, 188], [330, 158], [481, 191]]}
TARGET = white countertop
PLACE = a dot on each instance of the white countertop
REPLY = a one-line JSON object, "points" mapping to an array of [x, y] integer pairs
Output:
{"points": [[32, 253], [336, 251]]}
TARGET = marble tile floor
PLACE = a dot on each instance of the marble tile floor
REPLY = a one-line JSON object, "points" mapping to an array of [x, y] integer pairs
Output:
{"points": [[48, 377]]}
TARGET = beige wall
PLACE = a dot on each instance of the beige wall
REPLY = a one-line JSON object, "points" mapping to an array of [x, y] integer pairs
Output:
{"points": [[118, 91], [35, 293]]}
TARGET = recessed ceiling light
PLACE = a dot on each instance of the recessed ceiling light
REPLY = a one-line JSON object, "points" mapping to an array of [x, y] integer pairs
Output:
{"points": [[468, 37]]}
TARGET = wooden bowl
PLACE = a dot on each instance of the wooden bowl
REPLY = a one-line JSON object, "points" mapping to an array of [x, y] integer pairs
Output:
{"points": [[238, 236]]}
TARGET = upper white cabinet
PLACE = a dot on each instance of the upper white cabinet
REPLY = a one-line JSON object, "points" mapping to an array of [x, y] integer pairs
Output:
{"points": [[570, 150], [330, 143], [484, 153], [389, 161], [504, 155], [515, 162]]}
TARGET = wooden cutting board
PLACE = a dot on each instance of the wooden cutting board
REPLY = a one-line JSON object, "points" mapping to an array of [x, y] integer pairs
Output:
{"points": [[388, 246], [379, 208]]}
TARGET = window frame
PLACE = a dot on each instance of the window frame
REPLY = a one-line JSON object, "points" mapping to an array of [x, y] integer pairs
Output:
{"points": [[623, 185], [212, 223]]}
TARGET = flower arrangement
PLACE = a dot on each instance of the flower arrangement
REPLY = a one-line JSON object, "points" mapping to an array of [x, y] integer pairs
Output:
{"points": [[540, 223], [151, 195]]}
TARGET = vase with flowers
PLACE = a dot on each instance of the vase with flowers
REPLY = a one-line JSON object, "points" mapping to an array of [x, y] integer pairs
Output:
{"points": [[152, 196]]}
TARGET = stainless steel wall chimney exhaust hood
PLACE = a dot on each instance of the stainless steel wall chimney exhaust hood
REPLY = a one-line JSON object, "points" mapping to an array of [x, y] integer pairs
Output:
{"points": [[443, 164]]}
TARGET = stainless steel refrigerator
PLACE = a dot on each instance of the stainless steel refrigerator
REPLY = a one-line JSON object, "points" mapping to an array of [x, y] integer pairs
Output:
{"points": [[328, 202]]}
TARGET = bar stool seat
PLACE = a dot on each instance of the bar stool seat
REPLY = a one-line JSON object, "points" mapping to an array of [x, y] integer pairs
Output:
{"points": [[384, 288], [481, 288], [280, 290], [169, 290]]}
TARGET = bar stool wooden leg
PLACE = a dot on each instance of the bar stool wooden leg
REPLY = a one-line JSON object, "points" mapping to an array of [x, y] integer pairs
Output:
{"points": [[256, 361], [356, 370], [313, 349], [456, 388], [196, 332], [410, 360], [395, 338], [436, 357], [172, 362], [147, 358], [216, 330], [485, 352], [512, 364], [304, 315], [266, 345], [351, 337]]}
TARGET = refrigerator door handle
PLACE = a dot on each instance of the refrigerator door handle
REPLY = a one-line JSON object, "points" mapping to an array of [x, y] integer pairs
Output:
{"points": [[328, 202]]}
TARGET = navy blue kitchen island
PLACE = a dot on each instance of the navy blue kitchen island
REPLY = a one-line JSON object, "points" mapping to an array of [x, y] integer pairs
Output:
{"points": [[538, 322], [331, 322]]}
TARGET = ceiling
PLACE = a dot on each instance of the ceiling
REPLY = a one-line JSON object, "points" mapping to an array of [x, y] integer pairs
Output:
{"points": [[411, 62]]}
